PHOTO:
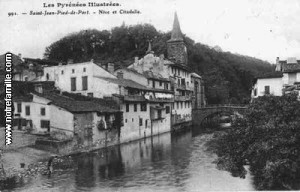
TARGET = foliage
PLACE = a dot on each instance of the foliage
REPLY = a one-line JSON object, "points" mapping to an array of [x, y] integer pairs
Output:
{"points": [[268, 139], [226, 75]]}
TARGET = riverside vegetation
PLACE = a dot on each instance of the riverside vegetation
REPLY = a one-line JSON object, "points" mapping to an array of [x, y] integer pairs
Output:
{"points": [[267, 139]]}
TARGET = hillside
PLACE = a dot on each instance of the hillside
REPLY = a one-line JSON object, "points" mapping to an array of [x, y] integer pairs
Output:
{"points": [[228, 77]]}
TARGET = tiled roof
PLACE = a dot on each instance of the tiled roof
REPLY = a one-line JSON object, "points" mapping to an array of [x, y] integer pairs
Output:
{"points": [[151, 75], [196, 75], [41, 61], [16, 60], [181, 66], [287, 68], [76, 106], [274, 74], [124, 82]]}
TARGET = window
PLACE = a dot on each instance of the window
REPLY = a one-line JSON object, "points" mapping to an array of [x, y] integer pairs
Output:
{"points": [[27, 110], [90, 94], [160, 83], [181, 104], [153, 84], [125, 120], [45, 124], [177, 103], [132, 119], [73, 70], [47, 76], [167, 109], [84, 69], [127, 107], [255, 92], [159, 114], [73, 83], [62, 72], [267, 90], [26, 78], [43, 111], [141, 122], [19, 107], [185, 104], [84, 83], [167, 86], [146, 123], [135, 107], [143, 106]]}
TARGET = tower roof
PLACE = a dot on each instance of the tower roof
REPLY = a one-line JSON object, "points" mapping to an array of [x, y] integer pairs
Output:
{"points": [[176, 31]]}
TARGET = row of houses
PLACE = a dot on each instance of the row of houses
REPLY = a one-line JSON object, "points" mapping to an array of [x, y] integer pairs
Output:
{"points": [[93, 101], [285, 79]]}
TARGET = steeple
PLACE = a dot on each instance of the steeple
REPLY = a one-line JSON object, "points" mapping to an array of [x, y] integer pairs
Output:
{"points": [[176, 34], [175, 46]]}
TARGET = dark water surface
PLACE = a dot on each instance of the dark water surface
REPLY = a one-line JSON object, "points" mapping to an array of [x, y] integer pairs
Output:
{"points": [[162, 163]]}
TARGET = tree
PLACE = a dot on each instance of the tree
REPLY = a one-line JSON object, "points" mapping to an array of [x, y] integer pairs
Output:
{"points": [[268, 138]]}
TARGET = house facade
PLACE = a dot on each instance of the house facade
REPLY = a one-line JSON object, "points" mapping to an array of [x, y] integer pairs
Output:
{"points": [[285, 79], [81, 78]]}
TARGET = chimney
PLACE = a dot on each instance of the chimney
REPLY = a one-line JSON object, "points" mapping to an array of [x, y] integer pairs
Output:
{"points": [[161, 56], [30, 66], [111, 68], [92, 60], [70, 61], [278, 65], [120, 75], [38, 88], [20, 55]]}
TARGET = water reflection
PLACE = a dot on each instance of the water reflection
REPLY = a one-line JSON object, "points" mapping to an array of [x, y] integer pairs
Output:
{"points": [[162, 163]]}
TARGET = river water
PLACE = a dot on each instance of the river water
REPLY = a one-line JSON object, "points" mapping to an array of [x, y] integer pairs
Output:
{"points": [[165, 163]]}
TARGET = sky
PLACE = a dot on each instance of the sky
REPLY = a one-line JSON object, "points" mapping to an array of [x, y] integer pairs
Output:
{"points": [[264, 29]]}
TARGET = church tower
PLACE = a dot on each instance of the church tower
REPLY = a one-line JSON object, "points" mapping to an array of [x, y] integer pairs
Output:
{"points": [[176, 47]]}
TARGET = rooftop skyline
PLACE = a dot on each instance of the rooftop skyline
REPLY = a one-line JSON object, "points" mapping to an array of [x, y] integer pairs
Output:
{"points": [[262, 29]]}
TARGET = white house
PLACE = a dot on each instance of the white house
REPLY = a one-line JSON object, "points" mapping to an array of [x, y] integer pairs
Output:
{"points": [[269, 84], [285, 79], [81, 78]]}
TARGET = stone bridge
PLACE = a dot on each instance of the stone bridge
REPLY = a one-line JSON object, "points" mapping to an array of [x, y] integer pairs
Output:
{"points": [[209, 110]]}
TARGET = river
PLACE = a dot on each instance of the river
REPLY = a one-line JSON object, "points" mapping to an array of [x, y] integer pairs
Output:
{"points": [[165, 163]]}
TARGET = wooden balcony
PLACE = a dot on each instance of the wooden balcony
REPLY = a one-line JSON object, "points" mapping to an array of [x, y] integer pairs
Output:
{"points": [[134, 98], [183, 98]]}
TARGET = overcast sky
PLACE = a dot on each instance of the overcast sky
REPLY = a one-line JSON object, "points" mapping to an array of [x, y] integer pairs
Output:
{"points": [[260, 28]]}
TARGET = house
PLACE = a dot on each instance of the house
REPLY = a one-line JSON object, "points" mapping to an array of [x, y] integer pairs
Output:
{"points": [[68, 116], [26, 69], [285, 79], [146, 111], [171, 76], [81, 78], [268, 84]]}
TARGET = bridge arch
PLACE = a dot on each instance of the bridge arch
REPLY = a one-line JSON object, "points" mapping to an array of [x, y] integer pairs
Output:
{"points": [[202, 113]]}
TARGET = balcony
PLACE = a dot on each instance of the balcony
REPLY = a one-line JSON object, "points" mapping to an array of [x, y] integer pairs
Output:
{"points": [[183, 98], [162, 100], [183, 87], [134, 98]]}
